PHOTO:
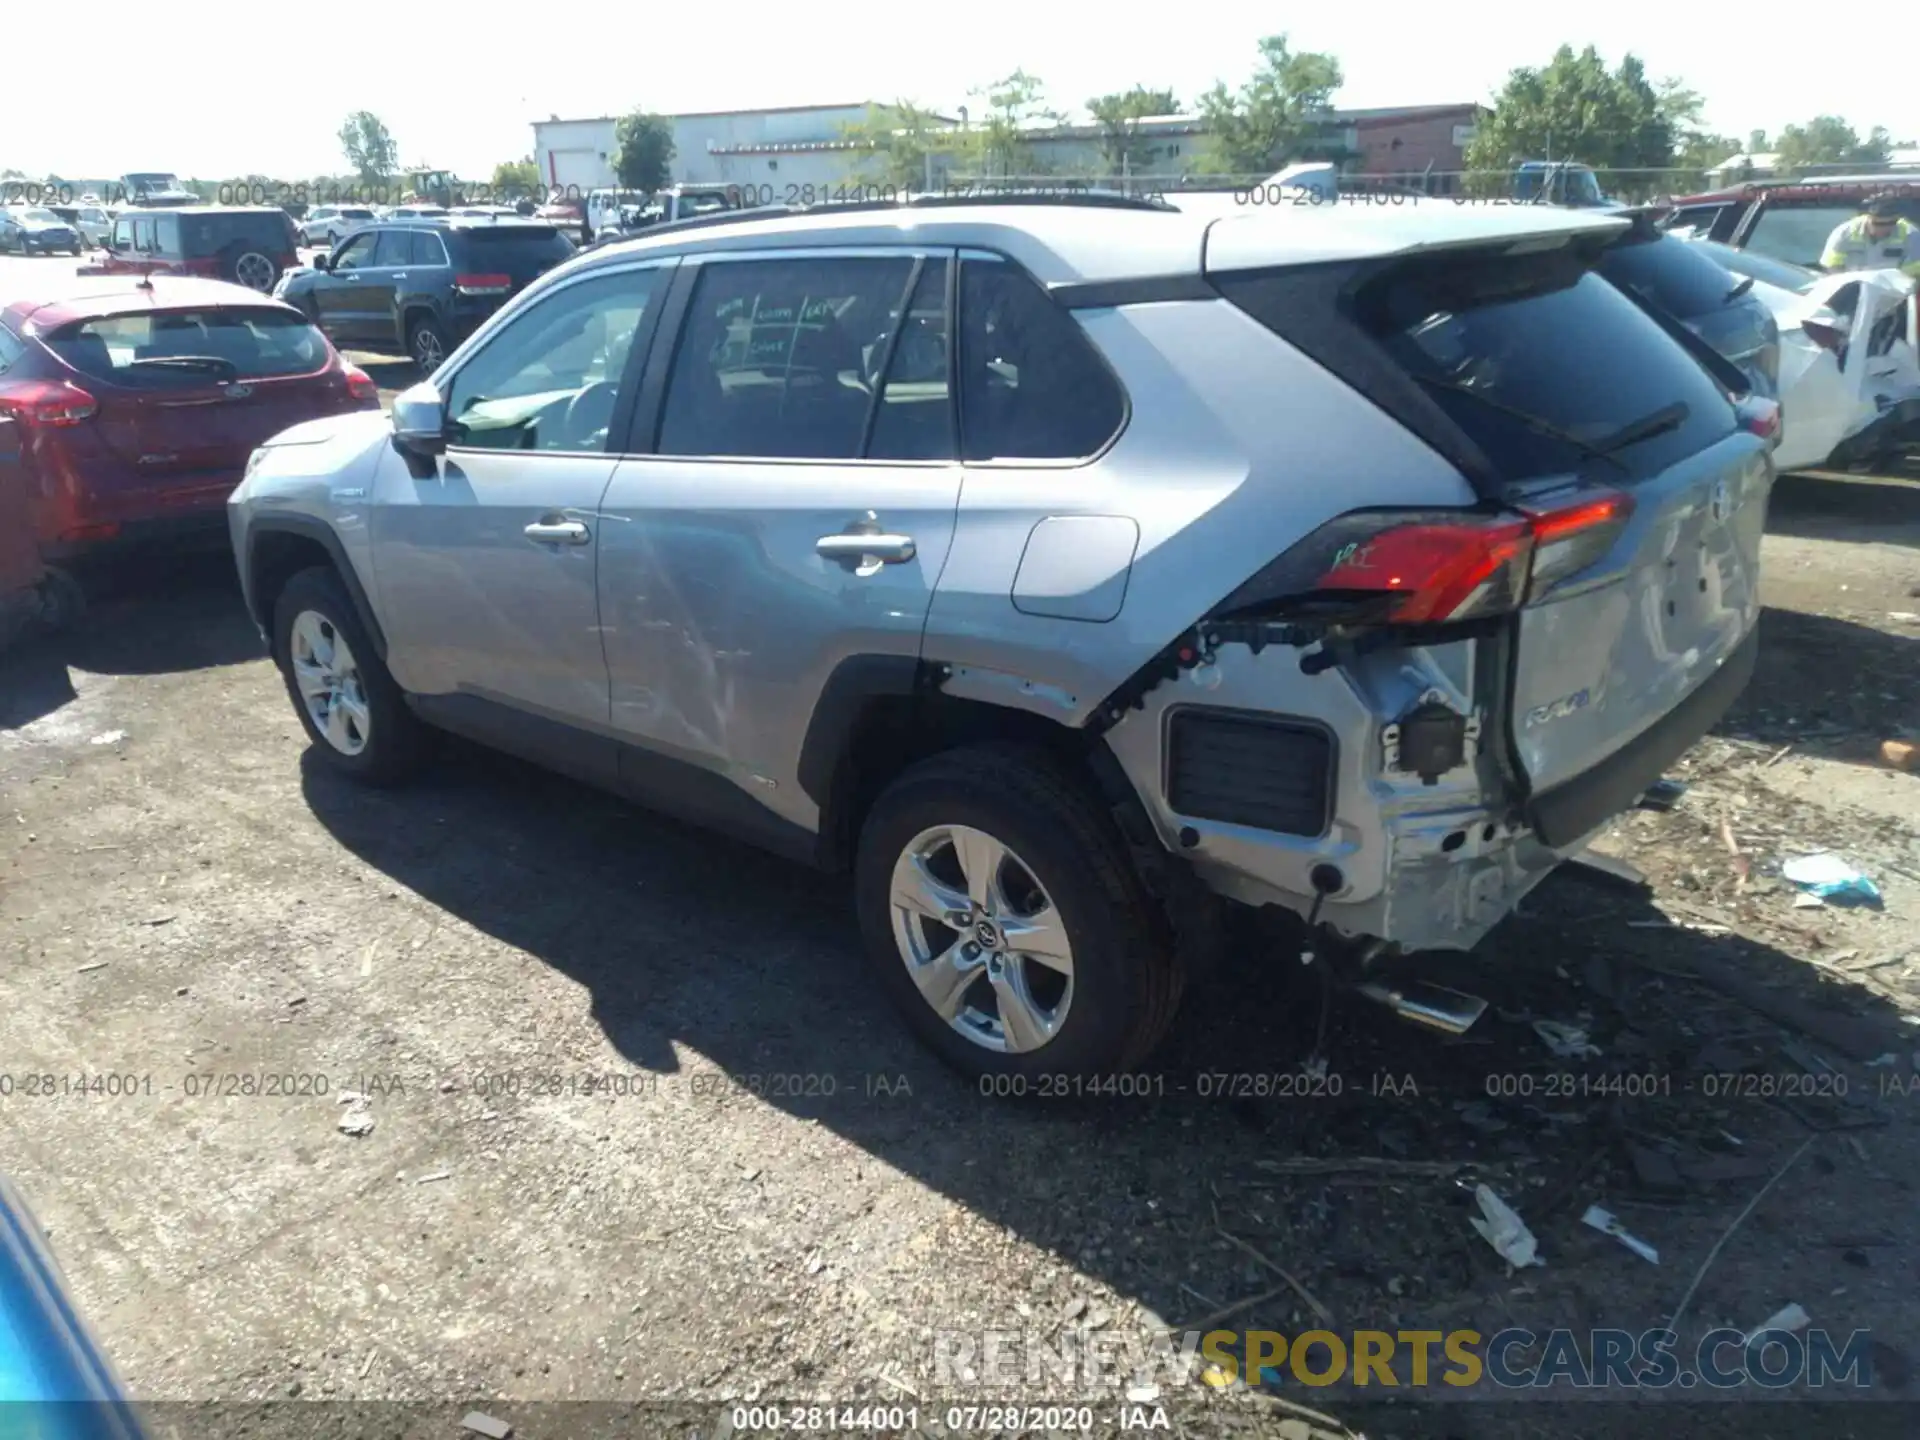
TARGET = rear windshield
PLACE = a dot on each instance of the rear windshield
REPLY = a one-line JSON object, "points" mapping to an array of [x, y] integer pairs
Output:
{"points": [[1511, 347], [355, 214], [204, 235], [1672, 274], [516, 246], [1767, 271], [174, 347]]}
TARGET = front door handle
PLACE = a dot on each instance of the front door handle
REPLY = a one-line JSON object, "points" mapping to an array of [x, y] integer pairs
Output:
{"points": [[861, 548], [559, 532], [401, 276]]}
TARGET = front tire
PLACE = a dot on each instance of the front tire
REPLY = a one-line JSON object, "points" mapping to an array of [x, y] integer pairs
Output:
{"points": [[352, 709], [1003, 917]]}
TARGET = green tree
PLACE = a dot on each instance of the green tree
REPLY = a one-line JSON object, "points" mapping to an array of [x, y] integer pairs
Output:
{"points": [[1001, 144], [1576, 109], [899, 144], [1281, 114], [516, 178], [643, 151], [369, 148], [1120, 144], [1829, 140]]}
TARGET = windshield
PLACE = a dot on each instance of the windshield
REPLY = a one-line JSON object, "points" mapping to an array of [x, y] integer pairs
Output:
{"points": [[173, 347], [38, 214], [702, 204], [1780, 273], [152, 180]]}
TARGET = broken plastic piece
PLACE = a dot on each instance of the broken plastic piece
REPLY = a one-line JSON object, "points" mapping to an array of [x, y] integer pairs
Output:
{"points": [[1830, 877], [1569, 1042], [1503, 1229], [1663, 795], [1791, 1319], [1606, 1223]]}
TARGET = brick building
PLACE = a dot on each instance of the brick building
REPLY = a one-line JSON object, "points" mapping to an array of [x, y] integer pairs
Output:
{"points": [[1411, 139]]}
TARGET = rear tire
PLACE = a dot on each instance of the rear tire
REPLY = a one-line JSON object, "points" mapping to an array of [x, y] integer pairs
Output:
{"points": [[426, 344], [353, 711], [62, 600], [1065, 882]]}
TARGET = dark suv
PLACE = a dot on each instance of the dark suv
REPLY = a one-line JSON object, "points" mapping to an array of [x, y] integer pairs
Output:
{"points": [[420, 287], [251, 245]]}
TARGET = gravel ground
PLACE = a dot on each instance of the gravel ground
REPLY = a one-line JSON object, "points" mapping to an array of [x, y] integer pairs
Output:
{"points": [[643, 1133]]}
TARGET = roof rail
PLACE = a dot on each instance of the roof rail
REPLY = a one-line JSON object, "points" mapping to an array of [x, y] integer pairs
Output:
{"points": [[1098, 199]]}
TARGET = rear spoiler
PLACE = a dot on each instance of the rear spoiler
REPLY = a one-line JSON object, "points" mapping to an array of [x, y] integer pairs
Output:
{"points": [[1361, 232]]}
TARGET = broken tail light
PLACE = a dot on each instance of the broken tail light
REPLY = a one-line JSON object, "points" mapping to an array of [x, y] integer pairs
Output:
{"points": [[1432, 567], [53, 403]]}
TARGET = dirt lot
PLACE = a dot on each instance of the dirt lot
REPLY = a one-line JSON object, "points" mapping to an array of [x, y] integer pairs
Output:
{"points": [[539, 989]]}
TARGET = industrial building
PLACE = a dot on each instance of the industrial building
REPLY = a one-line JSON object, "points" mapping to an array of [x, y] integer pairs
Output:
{"points": [[802, 145]]}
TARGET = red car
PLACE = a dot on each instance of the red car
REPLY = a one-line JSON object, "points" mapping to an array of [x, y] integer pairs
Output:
{"points": [[136, 403]]}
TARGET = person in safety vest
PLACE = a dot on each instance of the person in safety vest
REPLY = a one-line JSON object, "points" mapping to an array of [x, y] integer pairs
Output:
{"points": [[1878, 240]]}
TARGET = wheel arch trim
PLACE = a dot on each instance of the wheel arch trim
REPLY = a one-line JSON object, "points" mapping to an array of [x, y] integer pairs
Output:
{"points": [[307, 528]]}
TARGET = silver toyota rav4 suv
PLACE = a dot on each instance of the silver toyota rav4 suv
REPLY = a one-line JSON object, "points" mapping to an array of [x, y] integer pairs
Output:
{"points": [[1066, 571]]}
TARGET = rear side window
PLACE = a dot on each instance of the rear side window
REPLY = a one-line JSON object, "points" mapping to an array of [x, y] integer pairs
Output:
{"points": [[1511, 347], [205, 235], [1032, 387], [394, 249], [1671, 274], [424, 248], [191, 347], [780, 357]]}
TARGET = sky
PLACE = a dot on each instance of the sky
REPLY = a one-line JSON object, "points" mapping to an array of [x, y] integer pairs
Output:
{"points": [[184, 87]]}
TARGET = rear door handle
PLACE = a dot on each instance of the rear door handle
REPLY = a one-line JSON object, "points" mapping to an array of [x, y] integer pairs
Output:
{"points": [[401, 275], [559, 532], [858, 548]]}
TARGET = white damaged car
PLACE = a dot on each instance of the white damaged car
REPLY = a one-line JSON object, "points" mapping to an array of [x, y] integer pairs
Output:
{"points": [[1849, 361]]}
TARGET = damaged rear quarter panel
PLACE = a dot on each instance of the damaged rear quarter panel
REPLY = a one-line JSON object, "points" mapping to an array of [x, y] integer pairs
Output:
{"points": [[1237, 445]]}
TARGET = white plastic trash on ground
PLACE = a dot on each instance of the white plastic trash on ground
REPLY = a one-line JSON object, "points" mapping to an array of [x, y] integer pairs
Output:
{"points": [[1503, 1229]]}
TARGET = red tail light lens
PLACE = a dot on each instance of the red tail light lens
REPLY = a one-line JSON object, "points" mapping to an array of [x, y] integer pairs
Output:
{"points": [[53, 403], [1438, 572], [360, 385], [1433, 567], [1761, 417], [482, 284]]}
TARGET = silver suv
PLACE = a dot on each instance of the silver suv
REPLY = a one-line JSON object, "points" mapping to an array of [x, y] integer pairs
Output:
{"points": [[1064, 570]]}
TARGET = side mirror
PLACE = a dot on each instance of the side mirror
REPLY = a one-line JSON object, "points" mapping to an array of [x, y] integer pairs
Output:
{"points": [[420, 420], [323, 262]]}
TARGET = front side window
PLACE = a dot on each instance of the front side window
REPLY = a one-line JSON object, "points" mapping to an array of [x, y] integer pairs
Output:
{"points": [[157, 349], [1032, 387], [123, 234], [548, 380], [358, 251], [779, 358]]}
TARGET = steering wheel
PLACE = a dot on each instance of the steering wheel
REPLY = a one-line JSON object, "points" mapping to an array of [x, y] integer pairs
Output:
{"points": [[590, 413]]}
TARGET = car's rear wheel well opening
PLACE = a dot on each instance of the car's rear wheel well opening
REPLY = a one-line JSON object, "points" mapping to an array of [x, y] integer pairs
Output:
{"points": [[277, 558], [893, 732]]}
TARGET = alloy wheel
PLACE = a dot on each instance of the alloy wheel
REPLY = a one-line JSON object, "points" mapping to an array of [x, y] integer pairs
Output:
{"points": [[985, 945], [330, 685], [254, 270], [428, 352]]}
